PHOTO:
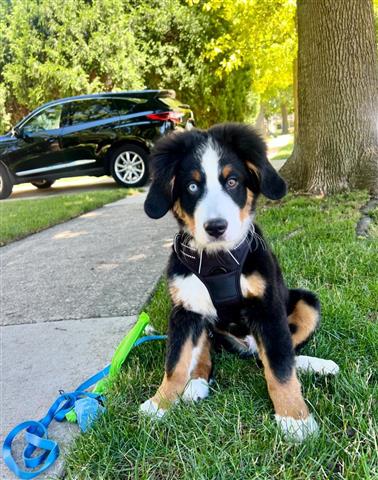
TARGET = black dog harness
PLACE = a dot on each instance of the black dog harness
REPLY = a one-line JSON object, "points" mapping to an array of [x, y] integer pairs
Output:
{"points": [[220, 272]]}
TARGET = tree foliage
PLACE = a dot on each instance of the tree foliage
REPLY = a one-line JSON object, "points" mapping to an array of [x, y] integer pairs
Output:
{"points": [[220, 56], [263, 36]]}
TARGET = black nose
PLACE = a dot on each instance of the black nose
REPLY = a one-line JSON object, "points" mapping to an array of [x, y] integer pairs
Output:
{"points": [[215, 227]]}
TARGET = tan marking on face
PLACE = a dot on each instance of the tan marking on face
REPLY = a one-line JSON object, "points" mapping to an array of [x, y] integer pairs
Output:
{"points": [[196, 174], [245, 212], [306, 319], [185, 217], [286, 396], [203, 367], [253, 285], [174, 384], [226, 170], [253, 167]]}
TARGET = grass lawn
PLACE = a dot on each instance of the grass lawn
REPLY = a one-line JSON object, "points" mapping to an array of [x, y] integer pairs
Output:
{"points": [[232, 434], [19, 218]]}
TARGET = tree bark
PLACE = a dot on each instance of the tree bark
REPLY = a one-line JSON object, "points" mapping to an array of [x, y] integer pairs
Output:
{"points": [[285, 119], [336, 145], [260, 124], [295, 94]]}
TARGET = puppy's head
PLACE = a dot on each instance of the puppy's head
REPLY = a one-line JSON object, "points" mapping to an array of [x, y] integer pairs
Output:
{"points": [[210, 180]]}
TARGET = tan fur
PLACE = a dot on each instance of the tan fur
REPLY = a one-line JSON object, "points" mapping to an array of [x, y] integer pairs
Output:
{"points": [[286, 396], [237, 342], [203, 367], [245, 212], [253, 285], [226, 170], [174, 384], [253, 167], [196, 174], [305, 318], [187, 219]]}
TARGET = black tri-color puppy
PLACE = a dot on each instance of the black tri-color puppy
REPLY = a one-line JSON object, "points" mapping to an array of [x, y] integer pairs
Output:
{"points": [[226, 285]]}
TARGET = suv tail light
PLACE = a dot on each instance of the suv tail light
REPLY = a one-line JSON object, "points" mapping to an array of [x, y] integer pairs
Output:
{"points": [[175, 117]]}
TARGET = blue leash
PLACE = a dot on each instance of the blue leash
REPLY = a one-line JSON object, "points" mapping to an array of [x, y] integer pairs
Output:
{"points": [[36, 432]]}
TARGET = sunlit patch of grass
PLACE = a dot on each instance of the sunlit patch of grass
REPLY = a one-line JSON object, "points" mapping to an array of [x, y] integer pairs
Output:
{"points": [[19, 218]]}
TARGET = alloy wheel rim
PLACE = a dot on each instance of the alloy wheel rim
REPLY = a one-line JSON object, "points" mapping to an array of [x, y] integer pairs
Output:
{"points": [[129, 167], [1, 183]]}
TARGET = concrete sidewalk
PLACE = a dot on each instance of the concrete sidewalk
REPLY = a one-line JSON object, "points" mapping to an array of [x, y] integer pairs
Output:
{"points": [[68, 296]]}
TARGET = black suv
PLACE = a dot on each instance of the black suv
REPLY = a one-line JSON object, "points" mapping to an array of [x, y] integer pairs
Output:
{"points": [[107, 133]]}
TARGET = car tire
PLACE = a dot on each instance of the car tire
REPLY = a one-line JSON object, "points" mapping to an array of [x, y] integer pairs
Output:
{"points": [[129, 166], [42, 184], [6, 184]]}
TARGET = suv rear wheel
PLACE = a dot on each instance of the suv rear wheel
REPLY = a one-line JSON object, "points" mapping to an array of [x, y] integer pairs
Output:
{"points": [[42, 184], [128, 166], [6, 185]]}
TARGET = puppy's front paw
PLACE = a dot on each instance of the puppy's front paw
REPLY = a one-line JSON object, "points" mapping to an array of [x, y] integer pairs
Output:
{"points": [[197, 389], [297, 430], [150, 408], [317, 365]]}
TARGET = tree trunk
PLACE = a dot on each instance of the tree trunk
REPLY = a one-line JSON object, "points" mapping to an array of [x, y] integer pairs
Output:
{"points": [[336, 145], [295, 94], [260, 124], [285, 119]]}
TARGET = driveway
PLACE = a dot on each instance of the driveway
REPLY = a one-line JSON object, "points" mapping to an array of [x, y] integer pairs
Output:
{"points": [[62, 186]]}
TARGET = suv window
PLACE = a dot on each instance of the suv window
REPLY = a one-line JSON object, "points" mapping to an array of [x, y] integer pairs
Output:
{"points": [[126, 105], [48, 119], [90, 110]]}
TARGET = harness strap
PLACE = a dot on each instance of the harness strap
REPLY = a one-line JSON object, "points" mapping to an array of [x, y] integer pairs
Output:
{"points": [[220, 272]]}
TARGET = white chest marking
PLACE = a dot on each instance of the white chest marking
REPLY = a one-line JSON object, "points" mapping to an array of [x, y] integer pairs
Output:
{"points": [[193, 294]]}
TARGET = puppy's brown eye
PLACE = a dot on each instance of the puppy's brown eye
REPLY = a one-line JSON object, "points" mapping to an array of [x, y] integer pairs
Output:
{"points": [[193, 187], [232, 182]]}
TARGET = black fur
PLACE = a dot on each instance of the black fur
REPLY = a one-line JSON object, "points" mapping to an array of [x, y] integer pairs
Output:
{"points": [[173, 161], [239, 139]]}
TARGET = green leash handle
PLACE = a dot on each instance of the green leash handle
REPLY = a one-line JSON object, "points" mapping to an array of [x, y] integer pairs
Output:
{"points": [[127, 344], [119, 357], [122, 351]]}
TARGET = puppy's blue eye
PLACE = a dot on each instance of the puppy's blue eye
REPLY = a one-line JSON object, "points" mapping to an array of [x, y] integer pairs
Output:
{"points": [[193, 187]]}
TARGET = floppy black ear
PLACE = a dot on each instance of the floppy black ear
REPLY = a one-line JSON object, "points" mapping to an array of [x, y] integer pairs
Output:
{"points": [[164, 160], [158, 201], [251, 148], [272, 185], [162, 166]]}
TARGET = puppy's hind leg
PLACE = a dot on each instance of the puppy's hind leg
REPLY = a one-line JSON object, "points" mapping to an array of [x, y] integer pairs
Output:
{"points": [[277, 355], [303, 318]]}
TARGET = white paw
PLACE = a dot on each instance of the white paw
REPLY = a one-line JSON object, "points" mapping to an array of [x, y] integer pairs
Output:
{"points": [[318, 365], [151, 409], [197, 389], [251, 343], [297, 430]]}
